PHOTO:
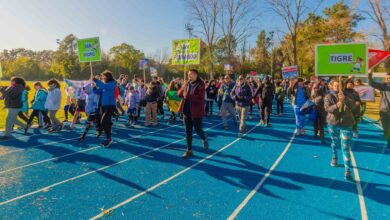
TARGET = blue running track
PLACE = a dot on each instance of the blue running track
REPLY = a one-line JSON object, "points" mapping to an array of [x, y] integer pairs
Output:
{"points": [[266, 174]]}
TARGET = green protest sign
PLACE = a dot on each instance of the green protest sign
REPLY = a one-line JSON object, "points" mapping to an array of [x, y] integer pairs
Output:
{"points": [[89, 49], [341, 59], [186, 52]]}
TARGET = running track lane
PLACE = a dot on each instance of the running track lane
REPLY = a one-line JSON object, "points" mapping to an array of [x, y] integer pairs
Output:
{"points": [[211, 189], [104, 177], [324, 193]]}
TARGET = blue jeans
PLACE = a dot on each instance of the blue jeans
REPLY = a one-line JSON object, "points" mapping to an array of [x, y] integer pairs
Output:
{"points": [[299, 119]]}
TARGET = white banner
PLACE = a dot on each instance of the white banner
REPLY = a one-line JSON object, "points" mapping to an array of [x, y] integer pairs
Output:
{"points": [[76, 87], [366, 93]]}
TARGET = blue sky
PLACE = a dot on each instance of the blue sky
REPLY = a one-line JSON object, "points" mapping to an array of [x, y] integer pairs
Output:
{"points": [[149, 25]]}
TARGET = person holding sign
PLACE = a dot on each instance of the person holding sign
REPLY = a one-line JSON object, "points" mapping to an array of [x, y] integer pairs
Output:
{"points": [[340, 121], [384, 107], [108, 103], [192, 106]]}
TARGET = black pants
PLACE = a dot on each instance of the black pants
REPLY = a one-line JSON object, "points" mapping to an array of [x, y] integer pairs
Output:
{"points": [[35, 113], [23, 116], [319, 125], [385, 118], [71, 108], [280, 106], [106, 123], [172, 116], [209, 107], [266, 109], [190, 123], [160, 107]]}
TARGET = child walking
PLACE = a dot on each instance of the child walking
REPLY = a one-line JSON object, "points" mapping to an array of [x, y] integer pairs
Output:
{"points": [[132, 102], [53, 103], [92, 111], [38, 106]]}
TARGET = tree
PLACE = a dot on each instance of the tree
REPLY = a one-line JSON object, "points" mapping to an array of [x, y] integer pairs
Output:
{"points": [[223, 48], [261, 55], [125, 58], [65, 59], [292, 12], [205, 14], [25, 67], [237, 22], [380, 14], [340, 22]]}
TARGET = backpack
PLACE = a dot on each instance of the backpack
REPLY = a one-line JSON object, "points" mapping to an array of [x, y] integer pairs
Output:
{"points": [[279, 94], [266, 93]]}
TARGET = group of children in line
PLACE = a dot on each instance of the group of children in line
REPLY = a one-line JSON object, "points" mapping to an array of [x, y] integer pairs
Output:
{"points": [[103, 98]]}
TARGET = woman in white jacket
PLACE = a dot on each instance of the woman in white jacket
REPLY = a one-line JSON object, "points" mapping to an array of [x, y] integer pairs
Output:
{"points": [[53, 103]]}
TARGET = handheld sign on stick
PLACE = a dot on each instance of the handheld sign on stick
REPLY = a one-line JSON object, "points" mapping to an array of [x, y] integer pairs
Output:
{"points": [[89, 51]]}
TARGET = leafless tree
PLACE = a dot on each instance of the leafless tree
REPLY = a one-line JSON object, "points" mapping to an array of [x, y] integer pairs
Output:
{"points": [[292, 12], [237, 23], [205, 14], [380, 14]]}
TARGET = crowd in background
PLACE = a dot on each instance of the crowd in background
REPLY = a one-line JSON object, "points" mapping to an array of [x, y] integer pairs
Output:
{"points": [[334, 105]]}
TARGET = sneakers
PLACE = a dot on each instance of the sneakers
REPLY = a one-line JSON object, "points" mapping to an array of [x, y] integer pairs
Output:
{"points": [[297, 132], [187, 154], [98, 134], [333, 162], [348, 176], [355, 135], [262, 122], [82, 137], [206, 144], [250, 117], [107, 142], [303, 131]]}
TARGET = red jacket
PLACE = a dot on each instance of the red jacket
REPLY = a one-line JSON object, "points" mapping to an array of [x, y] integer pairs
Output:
{"points": [[195, 97]]}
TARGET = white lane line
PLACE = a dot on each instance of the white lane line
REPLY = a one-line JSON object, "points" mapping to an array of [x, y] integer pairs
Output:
{"points": [[92, 172], [373, 122], [53, 142], [82, 151], [262, 181], [363, 209], [172, 177]]}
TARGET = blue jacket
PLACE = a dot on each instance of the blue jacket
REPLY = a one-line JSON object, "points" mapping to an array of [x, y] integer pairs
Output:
{"points": [[300, 97], [108, 92], [24, 101], [227, 89], [91, 101], [39, 100]]}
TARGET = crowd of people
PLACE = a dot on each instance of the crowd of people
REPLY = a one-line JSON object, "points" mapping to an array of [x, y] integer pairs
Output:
{"points": [[335, 105]]}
